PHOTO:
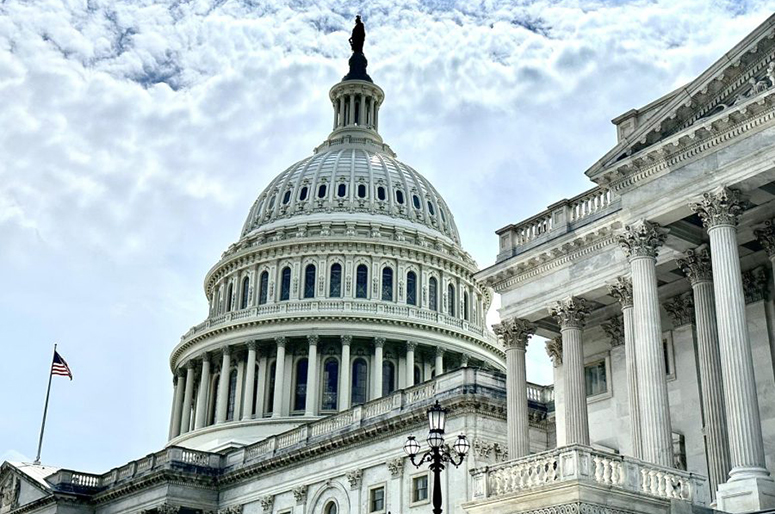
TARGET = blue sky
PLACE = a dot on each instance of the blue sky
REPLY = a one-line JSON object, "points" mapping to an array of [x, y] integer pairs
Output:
{"points": [[136, 135]]}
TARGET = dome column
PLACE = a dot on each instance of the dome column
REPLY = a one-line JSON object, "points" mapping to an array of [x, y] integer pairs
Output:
{"points": [[204, 393], [263, 370], [279, 378], [351, 114], [439, 361], [238, 393], [362, 111], [177, 404], [311, 400], [223, 387], [345, 384], [250, 380], [188, 397], [410, 346], [379, 343]]}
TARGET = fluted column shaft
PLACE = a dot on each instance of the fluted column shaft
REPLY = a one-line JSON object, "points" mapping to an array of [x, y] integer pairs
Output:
{"points": [[250, 379], [345, 384], [439, 361], [279, 378], [201, 401], [188, 396], [311, 401], [177, 405], [410, 346], [351, 117], [362, 111], [379, 342], [223, 387], [238, 393]]}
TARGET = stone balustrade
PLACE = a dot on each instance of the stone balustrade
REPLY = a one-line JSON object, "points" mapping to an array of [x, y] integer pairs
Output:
{"points": [[587, 466]]}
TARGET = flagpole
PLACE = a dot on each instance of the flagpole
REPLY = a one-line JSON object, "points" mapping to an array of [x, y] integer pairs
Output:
{"points": [[45, 408]]}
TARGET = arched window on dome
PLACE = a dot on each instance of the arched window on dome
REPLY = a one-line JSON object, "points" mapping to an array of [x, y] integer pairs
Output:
{"points": [[303, 193], [361, 190], [263, 288], [416, 202], [360, 382], [341, 190], [441, 212], [219, 302], [229, 294], [232, 395], [287, 197], [451, 300], [330, 508], [381, 196], [433, 294], [387, 284], [335, 286], [270, 379], [330, 384], [417, 375], [300, 391], [388, 377], [271, 203], [465, 305], [400, 197], [245, 293], [431, 210], [362, 281], [322, 191], [309, 281], [285, 284], [411, 288]]}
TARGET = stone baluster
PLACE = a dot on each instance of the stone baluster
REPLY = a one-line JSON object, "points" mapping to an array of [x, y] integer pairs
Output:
{"points": [[345, 384], [719, 211], [697, 268], [571, 315], [223, 386], [514, 333], [410, 347], [188, 397], [279, 378], [622, 291], [439, 360], [177, 403], [250, 382], [204, 393], [311, 401], [641, 244], [379, 343]]}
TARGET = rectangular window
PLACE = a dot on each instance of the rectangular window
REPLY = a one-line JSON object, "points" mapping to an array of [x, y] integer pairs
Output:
{"points": [[377, 499], [595, 378], [419, 488]]}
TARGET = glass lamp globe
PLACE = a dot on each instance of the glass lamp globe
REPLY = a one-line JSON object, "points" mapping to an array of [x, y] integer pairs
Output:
{"points": [[437, 417], [461, 446], [435, 439], [411, 446]]}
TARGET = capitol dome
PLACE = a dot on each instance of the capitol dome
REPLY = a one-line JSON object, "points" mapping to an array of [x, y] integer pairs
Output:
{"points": [[348, 286]]}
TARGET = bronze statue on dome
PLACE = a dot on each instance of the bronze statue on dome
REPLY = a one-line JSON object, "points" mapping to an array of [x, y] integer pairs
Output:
{"points": [[358, 36], [358, 61]]}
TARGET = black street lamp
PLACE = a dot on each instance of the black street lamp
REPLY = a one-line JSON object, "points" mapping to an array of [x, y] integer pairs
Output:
{"points": [[439, 451]]}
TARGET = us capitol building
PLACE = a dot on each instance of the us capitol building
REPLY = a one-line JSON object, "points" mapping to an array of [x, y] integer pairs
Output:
{"points": [[348, 306]]}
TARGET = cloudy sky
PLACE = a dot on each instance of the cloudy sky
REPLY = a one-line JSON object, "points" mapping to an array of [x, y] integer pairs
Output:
{"points": [[135, 135]]}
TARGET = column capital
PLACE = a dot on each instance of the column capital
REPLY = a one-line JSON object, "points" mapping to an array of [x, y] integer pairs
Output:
{"points": [[280, 341], [440, 351], [252, 346], [754, 285], [766, 236], [571, 312], [642, 239], [347, 340], [622, 291], [226, 350], [379, 342], [680, 309], [411, 345], [614, 329], [191, 364], [514, 332], [463, 360], [554, 350], [313, 339], [720, 207], [696, 266]]}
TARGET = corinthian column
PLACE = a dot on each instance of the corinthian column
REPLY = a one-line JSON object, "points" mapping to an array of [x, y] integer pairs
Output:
{"points": [[410, 347], [279, 378], [311, 404], [379, 343], [223, 387], [250, 382], [204, 387], [345, 384], [697, 268], [622, 291], [188, 397], [514, 334], [177, 404], [571, 314], [641, 243], [719, 212]]}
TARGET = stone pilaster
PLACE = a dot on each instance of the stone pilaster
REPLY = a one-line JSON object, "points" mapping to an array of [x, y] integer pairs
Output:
{"points": [[250, 379], [379, 343], [719, 211], [697, 268], [571, 314], [188, 397], [514, 334], [279, 377], [203, 394], [641, 243], [223, 386], [345, 384], [410, 347], [311, 406]]}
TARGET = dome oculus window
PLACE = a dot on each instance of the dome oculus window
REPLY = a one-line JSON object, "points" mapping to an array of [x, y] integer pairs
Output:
{"points": [[381, 193], [416, 201], [322, 191], [303, 193], [286, 197], [361, 190], [400, 197], [341, 191]]}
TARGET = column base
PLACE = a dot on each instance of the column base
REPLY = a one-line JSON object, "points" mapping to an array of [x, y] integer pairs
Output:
{"points": [[746, 495]]}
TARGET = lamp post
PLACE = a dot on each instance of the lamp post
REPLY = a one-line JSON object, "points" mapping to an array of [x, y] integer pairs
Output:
{"points": [[439, 451]]}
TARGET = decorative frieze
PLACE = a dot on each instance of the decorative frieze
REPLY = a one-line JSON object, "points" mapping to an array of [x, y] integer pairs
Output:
{"points": [[614, 329], [766, 237], [680, 309], [554, 350], [354, 478], [489, 450], [621, 290], [571, 312], [696, 266], [514, 332], [233, 509], [720, 207], [754, 285], [166, 508], [396, 467], [642, 239]]}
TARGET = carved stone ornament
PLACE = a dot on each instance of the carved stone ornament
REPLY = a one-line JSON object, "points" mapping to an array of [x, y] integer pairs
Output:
{"points": [[347, 339], [233, 509], [696, 266], [642, 239], [354, 478], [571, 312], [754, 285], [614, 329], [396, 467], [379, 342], [280, 341], [300, 494], [266, 502], [622, 291], [166, 508], [313, 339], [489, 450], [766, 237], [680, 309], [514, 332], [554, 350], [9, 492], [718, 208]]}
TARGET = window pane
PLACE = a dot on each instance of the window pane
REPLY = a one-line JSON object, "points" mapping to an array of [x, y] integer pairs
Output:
{"points": [[430, 208], [341, 190], [359, 382], [416, 201], [309, 281], [270, 396], [245, 291], [362, 281], [335, 289], [300, 397], [330, 384], [285, 285], [322, 191], [400, 197], [387, 284], [263, 288], [381, 193], [303, 193], [451, 300], [232, 395], [420, 488], [229, 293], [286, 197], [595, 378], [411, 288], [433, 301], [361, 191], [377, 499]]}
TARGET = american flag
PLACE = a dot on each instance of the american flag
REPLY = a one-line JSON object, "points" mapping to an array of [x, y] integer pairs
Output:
{"points": [[60, 367]]}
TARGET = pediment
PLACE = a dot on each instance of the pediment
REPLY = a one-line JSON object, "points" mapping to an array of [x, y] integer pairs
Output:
{"points": [[21, 484], [741, 74]]}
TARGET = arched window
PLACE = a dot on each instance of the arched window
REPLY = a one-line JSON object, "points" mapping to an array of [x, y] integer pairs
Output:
{"points": [[263, 288], [433, 294], [287, 197], [271, 203], [465, 305], [330, 383], [387, 284], [417, 375], [309, 281], [335, 287], [361, 190], [411, 288], [388, 377], [400, 197], [285, 284], [330, 508], [359, 382], [300, 395], [232, 395], [270, 378], [362, 281], [430, 208], [303, 193], [381, 193], [451, 300], [219, 302], [322, 191], [229, 293], [416, 201], [245, 291], [341, 190]]}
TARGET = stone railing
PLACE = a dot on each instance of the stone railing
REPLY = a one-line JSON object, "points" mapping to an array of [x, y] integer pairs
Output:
{"points": [[590, 466], [540, 394], [557, 219]]}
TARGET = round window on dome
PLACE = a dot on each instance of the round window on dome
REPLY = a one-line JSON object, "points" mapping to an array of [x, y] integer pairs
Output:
{"points": [[361, 190], [381, 193], [400, 197], [431, 209], [286, 197], [416, 201], [303, 193], [341, 191], [322, 191]]}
